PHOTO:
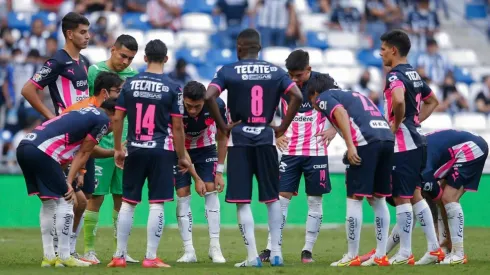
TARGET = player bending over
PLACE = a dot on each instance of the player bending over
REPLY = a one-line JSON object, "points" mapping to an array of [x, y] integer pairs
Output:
{"points": [[254, 89], [369, 153], [304, 152], [201, 134], [153, 104], [70, 137], [404, 93]]}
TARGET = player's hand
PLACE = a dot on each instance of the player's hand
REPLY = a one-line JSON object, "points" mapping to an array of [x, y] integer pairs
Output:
{"points": [[70, 195], [393, 128], [230, 126], [326, 136], [184, 164], [282, 143], [219, 182], [80, 180], [200, 187], [119, 156], [352, 156], [278, 130]]}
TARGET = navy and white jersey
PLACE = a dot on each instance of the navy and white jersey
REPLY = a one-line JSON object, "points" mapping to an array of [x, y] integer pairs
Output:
{"points": [[66, 79], [201, 131], [367, 125], [61, 137], [422, 22], [149, 101], [446, 148], [348, 18], [254, 89], [409, 135]]}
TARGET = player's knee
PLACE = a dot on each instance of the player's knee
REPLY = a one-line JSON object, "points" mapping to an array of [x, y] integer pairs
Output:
{"points": [[400, 200], [287, 195], [184, 191], [315, 204], [210, 186]]}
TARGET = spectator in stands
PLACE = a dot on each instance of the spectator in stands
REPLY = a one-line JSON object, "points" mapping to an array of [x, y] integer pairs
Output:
{"points": [[99, 34], [131, 5], [452, 100], [363, 87], [165, 14], [180, 74], [51, 46], [7, 41], [35, 40], [49, 5], [90, 6], [324, 6], [422, 23], [346, 17], [380, 15], [483, 98], [5, 102], [435, 65], [234, 12], [276, 21]]}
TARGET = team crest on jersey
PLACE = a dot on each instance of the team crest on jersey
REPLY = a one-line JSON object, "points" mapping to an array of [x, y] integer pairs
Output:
{"points": [[37, 77], [44, 71], [102, 133], [209, 121]]}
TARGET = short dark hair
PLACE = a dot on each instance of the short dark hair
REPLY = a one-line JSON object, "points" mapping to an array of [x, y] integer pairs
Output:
{"points": [[156, 51], [250, 39], [181, 63], [34, 53], [194, 90], [71, 21], [106, 80], [127, 41], [431, 42], [298, 60], [109, 105], [398, 39], [320, 83]]}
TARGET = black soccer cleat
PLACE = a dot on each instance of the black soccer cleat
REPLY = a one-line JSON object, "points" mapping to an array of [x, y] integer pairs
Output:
{"points": [[306, 257], [265, 255]]}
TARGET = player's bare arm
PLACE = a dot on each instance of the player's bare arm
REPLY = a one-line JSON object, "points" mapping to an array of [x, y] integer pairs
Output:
{"points": [[101, 153], [342, 118], [222, 139], [29, 92], [198, 182], [119, 153], [210, 99], [296, 98], [398, 103], [428, 107], [179, 142], [80, 159], [327, 135]]}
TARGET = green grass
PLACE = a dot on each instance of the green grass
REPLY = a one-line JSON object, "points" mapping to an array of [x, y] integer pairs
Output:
{"points": [[21, 252]]}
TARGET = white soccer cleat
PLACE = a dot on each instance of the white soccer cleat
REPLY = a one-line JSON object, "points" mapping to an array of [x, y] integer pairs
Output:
{"points": [[90, 257], [347, 261], [369, 262], [129, 259], [215, 255], [398, 259], [188, 257], [431, 257], [452, 259], [254, 263]]}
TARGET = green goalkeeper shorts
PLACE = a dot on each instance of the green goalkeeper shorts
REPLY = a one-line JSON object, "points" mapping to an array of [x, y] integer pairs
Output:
{"points": [[109, 177]]}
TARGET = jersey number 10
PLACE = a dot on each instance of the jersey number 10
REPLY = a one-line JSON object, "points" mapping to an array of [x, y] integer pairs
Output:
{"points": [[145, 121]]}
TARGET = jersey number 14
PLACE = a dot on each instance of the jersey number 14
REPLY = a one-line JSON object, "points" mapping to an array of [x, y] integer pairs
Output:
{"points": [[146, 121]]}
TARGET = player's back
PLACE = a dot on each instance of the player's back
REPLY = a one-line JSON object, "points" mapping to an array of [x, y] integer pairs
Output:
{"points": [[366, 122], [149, 101]]}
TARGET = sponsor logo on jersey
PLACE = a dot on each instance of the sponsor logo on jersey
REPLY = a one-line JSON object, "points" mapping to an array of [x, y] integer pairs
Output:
{"points": [[253, 130]]}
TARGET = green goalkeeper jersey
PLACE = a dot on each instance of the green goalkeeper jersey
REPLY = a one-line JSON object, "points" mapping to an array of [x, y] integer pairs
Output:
{"points": [[107, 142]]}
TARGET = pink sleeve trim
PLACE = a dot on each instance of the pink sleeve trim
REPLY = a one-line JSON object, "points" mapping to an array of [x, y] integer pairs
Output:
{"points": [[217, 86], [289, 87], [120, 108], [431, 92], [176, 115], [36, 84], [332, 118], [397, 84], [92, 138]]}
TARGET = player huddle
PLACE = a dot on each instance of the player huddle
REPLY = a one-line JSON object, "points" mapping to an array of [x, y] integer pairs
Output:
{"points": [[115, 128]]}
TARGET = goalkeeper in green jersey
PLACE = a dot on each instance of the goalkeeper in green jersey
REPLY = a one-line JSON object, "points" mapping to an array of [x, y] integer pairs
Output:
{"points": [[108, 175]]}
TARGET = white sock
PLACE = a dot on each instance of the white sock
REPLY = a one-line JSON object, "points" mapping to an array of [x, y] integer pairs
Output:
{"points": [[247, 228], [393, 239], [382, 222], [53, 232], [424, 216], [455, 218], [156, 221], [184, 219], [404, 220], [276, 224], [212, 207], [313, 221], [442, 234], [284, 209], [353, 226], [124, 224], [48, 209], [74, 235], [64, 227]]}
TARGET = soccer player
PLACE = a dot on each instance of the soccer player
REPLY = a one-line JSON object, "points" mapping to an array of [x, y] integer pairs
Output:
{"points": [[305, 152], [201, 135], [404, 93], [154, 107], [65, 74], [254, 89], [41, 155], [108, 175], [369, 156]]}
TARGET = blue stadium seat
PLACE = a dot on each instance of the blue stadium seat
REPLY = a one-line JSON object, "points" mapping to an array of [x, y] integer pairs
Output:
{"points": [[48, 18], [206, 71], [317, 40], [369, 58], [462, 75], [220, 56], [204, 6], [192, 56], [475, 10], [135, 20], [20, 21]]}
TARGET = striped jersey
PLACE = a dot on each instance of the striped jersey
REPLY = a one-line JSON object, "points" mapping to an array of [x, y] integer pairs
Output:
{"points": [[59, 139], [200, 131], [66, 79], [409, 135]]}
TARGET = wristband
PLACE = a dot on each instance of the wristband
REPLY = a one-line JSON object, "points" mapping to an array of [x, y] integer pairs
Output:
{"points": [[82, 171], [220, 168]]}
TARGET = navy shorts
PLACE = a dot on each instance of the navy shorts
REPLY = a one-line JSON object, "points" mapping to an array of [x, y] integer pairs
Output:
{"points": [[315, 170], [205, 161], [467, 174], [372, 177], [156, 165], [44, 176], [89, 180], [432, 189], [407, 172], [243, 164]]}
